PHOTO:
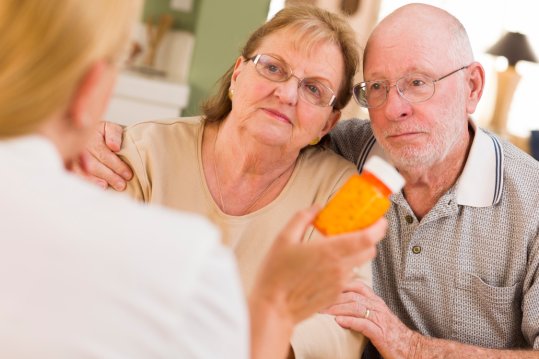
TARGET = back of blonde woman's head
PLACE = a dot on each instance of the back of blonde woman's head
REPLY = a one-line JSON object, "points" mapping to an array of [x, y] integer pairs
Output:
{"points": [[46, 47], [309, 26]]}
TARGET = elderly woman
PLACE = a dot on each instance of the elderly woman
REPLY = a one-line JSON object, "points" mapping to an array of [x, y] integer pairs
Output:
{"points": [[252, 159], [76, 280]]}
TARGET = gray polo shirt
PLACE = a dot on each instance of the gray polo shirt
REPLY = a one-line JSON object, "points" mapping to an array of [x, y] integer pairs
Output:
{"points": [[469, 270]]}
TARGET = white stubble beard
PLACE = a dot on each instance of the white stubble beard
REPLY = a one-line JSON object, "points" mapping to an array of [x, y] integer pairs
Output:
{"points": [[441, 141]]}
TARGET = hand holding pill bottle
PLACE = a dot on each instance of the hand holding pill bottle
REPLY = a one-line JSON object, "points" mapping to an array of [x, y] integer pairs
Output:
{"points": [[362, 200]]}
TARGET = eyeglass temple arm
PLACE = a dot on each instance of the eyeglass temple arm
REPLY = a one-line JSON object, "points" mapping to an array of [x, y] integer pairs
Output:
{"points": [[451, 73]]}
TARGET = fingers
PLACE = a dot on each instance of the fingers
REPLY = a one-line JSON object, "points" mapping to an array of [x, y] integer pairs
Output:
{"points": [[112, 133], [95, 171], [102, 153], [345, 297], [100, 161], [351, 304], [295, 228], [313, 274], [375, 232], [350, 309], [360, 242], [359, 287], [360, 325], [76, 169]]}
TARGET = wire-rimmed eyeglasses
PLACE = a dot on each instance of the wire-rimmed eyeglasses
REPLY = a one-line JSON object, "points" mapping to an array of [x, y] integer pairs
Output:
{"points": [[413, 87], [311, 90]]}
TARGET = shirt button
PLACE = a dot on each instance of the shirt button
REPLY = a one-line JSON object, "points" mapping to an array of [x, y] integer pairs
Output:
{"points": [[416, 249], [409, 219]]}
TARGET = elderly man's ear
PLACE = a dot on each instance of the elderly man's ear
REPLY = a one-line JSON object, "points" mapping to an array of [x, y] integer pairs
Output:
{"points": [[476, 83]]}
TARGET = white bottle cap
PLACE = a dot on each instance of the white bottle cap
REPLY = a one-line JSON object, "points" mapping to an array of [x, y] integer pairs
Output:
{"points": [[385, 173]]}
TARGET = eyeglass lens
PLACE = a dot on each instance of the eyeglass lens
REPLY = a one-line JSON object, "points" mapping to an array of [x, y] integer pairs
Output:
{"points": [[413, 87], [309, 89]]}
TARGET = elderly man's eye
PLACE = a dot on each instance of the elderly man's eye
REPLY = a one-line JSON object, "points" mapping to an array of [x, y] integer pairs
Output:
{"points": [[417, 82], [375, 86]]}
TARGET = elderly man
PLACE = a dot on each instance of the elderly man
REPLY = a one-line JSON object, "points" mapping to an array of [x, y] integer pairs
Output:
{"points": [[458, 272]]}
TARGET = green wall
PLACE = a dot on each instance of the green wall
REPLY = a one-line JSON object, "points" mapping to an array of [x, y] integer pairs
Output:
{"points": [[182, 20], [222, 28]]}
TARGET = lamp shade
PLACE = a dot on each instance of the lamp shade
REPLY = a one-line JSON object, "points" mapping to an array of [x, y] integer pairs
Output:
{"points": [[514, 47]]}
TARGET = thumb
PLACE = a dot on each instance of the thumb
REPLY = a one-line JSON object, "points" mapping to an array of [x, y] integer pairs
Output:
{"points": [[112, 133], [297, 226]]}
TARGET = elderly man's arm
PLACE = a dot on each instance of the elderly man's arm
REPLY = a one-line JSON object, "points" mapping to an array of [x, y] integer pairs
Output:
{"points": [[425, 347], [361, 310]]}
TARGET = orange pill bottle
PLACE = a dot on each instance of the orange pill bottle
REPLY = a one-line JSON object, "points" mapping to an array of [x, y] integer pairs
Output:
{"points": [[362, 200]]}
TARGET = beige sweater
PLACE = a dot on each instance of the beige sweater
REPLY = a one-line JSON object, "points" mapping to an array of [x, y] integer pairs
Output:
{"points": [[166, 159]]}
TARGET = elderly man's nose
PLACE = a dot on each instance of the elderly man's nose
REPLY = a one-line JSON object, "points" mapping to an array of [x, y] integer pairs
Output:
{"points": [[396, 106]]}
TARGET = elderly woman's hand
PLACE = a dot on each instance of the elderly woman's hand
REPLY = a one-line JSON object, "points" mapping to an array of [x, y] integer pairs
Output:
{"points": [[297, 279], [99, 163]]}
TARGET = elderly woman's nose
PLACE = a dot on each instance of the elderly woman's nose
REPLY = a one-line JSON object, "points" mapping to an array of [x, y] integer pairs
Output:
{"points": [[288, 91]]}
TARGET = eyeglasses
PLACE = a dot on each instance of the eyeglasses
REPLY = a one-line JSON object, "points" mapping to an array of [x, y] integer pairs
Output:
{"points": [[309, 89], [414, 87]]}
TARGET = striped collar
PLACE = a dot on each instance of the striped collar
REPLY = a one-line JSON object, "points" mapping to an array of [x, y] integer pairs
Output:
{"points": [[481, 181]]}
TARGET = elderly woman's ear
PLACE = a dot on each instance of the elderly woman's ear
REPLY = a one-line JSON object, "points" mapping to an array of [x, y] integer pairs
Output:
{"points": [[334, 116], [240, 61]]}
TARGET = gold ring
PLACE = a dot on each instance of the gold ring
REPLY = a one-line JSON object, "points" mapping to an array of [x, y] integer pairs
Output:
{"points": [[367, 313]]}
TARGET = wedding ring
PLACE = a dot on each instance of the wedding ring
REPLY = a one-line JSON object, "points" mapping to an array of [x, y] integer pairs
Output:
{"points": [[367, 313]]}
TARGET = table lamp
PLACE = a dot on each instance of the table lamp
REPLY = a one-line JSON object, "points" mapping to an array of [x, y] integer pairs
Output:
{"points": [[514, 47]]}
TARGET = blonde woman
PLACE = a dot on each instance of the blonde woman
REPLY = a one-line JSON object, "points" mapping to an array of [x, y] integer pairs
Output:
{"points": [[87, 274]]}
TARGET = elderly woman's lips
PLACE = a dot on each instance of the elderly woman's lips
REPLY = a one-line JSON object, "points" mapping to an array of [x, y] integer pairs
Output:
{"points": [[278, 115]]}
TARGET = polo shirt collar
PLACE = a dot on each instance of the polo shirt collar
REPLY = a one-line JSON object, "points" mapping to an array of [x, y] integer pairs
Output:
{"points": [[481, 181]]}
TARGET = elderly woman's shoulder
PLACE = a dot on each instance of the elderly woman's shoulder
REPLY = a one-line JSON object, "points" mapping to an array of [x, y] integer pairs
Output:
{"points": [[188, 126], [163, 123]]}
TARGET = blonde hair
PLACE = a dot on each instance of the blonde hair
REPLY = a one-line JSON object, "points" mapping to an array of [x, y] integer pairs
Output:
{"points": [[47, 46], [312, 26]]}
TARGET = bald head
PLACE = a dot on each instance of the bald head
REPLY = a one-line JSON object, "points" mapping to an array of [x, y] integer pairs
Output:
{"points": [[427, 28]]}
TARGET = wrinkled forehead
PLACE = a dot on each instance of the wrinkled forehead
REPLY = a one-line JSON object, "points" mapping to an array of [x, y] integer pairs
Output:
{"points": [[415, 36], [393, 53]]}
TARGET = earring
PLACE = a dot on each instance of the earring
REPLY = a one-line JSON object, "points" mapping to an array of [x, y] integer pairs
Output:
{"points": [[230, 93], [314, 141]]}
